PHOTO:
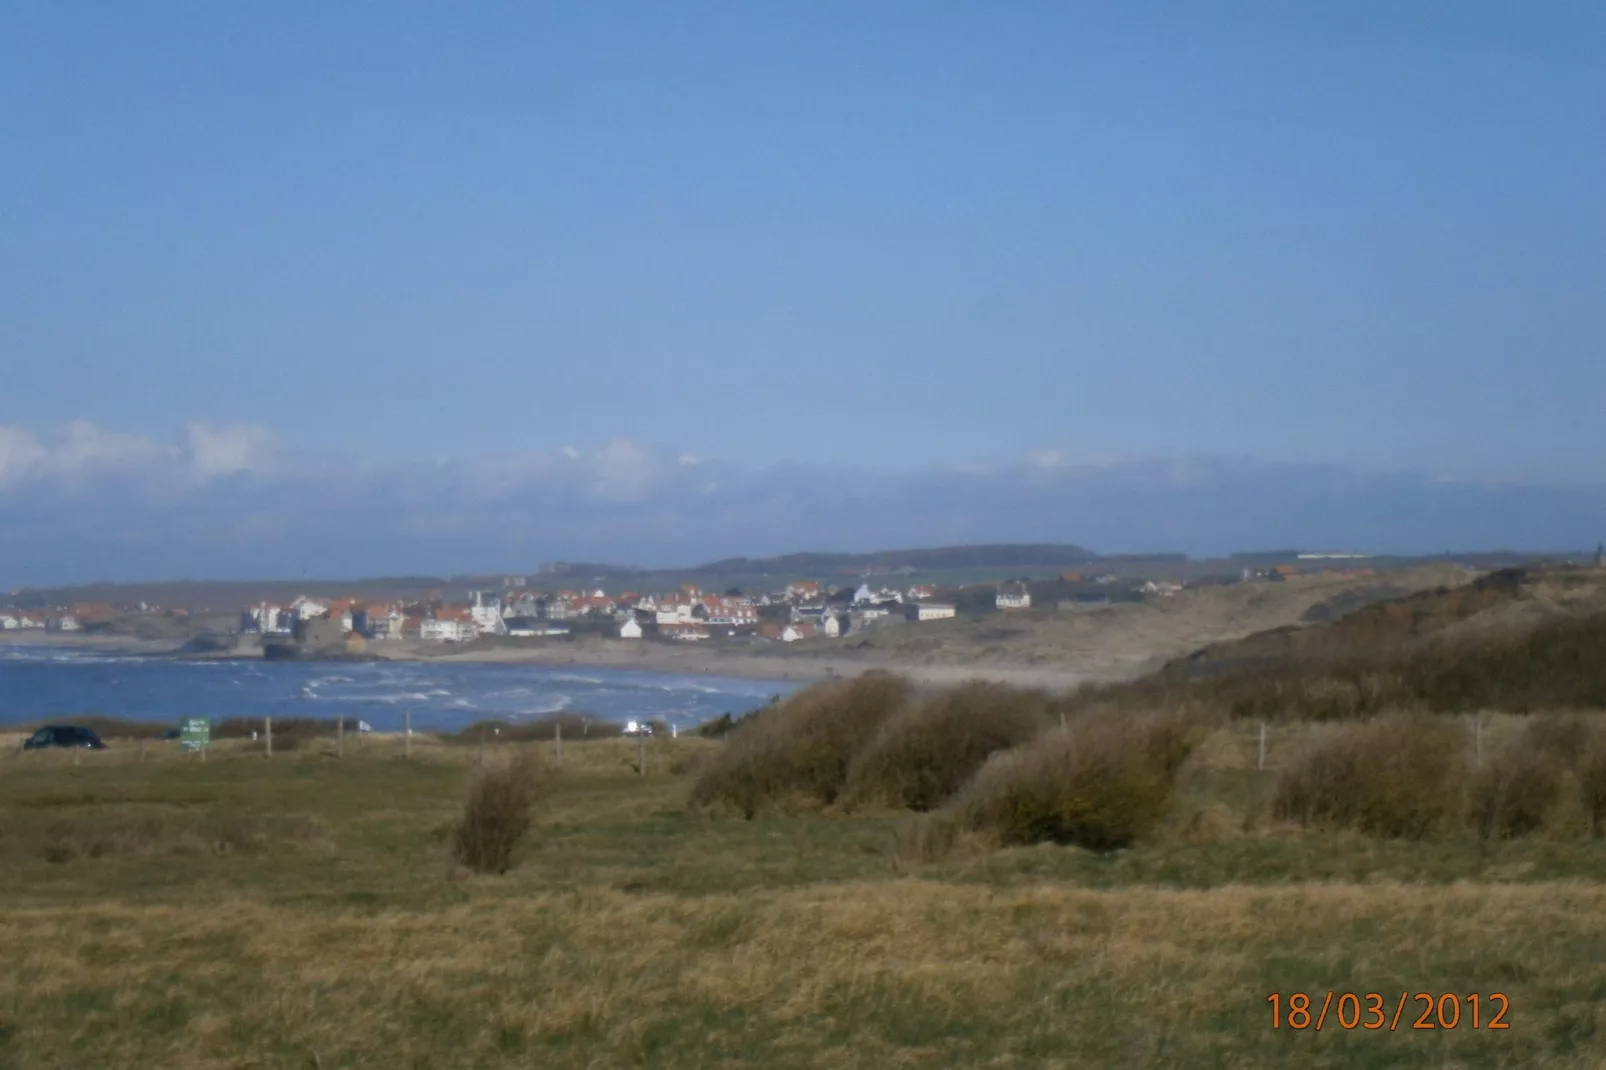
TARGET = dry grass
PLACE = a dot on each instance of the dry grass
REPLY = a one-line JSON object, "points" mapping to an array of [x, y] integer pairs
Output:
{"points": [[636, 933], [799, 751], [926, 752], [867, 974]]}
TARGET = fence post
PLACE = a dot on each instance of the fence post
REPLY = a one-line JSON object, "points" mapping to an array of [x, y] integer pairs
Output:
{"points": [[267, 735], [1260, 749], [557, 736], [340, 737], [641, 753], [407, 734], [1064, 728]]}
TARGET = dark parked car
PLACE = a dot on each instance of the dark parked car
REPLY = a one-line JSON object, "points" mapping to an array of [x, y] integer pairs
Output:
{"points": [[63, 735]]}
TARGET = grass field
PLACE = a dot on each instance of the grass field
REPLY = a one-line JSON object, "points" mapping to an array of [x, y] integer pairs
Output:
{"points": [[303, 911]]}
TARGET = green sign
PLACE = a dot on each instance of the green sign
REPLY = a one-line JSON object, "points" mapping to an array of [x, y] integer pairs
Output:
{"points": [[194, 732]]}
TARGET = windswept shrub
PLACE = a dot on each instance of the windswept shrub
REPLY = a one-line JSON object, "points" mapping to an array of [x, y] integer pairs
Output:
{"points": [[1103, 784], [1511, 794], [498, 814], [802, 747], [1562, 738], [1393, 777], [926, 752], [1592, 783]]}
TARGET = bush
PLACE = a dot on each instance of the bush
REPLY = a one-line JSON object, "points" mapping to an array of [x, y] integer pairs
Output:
{"points": [[497, 814], [1103, 784], [802, 747], [1592, 782], [925, 753], [1393, 777], [1511, 794]]}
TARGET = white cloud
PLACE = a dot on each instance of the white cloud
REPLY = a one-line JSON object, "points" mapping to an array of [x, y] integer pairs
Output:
{"points": [[227, 450], [85, 494], [21, 454]]}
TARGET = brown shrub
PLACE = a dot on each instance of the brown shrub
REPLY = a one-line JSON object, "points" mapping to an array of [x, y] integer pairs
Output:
{"points": [[1592, 783], [800, 749], [498, 813], [926, 752], [1562, 738], [1510, 796], [1104, 783], [1394, 777]]}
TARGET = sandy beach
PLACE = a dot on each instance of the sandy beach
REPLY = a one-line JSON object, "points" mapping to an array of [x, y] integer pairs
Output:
{"points": [[743, 664]]}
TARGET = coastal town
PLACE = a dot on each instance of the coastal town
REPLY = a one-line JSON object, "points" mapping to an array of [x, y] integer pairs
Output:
{"points": [[517, 607], [804, 609]]}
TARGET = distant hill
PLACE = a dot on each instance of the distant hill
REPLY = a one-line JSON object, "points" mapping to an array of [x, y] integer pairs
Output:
{"points": [[997, 555]]}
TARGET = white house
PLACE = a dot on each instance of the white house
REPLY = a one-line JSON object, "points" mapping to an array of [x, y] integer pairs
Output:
{"points": [[794, 632], [487, 616], [673, 609], [922, 611], [834, 626], [8, 622], [921, 592], [864, 594], [1163, 588], [630, 629], [1013, 596], [448, 626], [68, 623], [305, 608]]}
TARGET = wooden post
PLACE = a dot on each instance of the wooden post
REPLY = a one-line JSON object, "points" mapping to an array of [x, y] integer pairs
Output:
{"points": [[557, 737], [1260, 748], [76, 754], [1065, 728], [641, 753], [407, 734], [267, 736], [340, 737]]}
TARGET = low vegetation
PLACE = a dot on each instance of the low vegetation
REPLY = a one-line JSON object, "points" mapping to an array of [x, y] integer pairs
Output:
{"points": [[1508, 642], [498, 813], [800, 753], [925, 752], [1395, 777], [1102, 784]]}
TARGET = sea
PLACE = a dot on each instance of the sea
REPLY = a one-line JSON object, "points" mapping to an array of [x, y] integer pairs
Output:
{"points": [[52, 683]]}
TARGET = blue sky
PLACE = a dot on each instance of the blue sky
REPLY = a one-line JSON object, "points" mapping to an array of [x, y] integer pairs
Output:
{"points": [[279, 257]]}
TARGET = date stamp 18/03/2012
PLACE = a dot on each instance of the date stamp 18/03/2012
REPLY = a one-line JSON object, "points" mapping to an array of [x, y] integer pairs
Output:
{"points": [[1370, 1010]]}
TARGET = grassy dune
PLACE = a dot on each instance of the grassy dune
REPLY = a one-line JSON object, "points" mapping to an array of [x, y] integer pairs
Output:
{"points": [[304, 912]]}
